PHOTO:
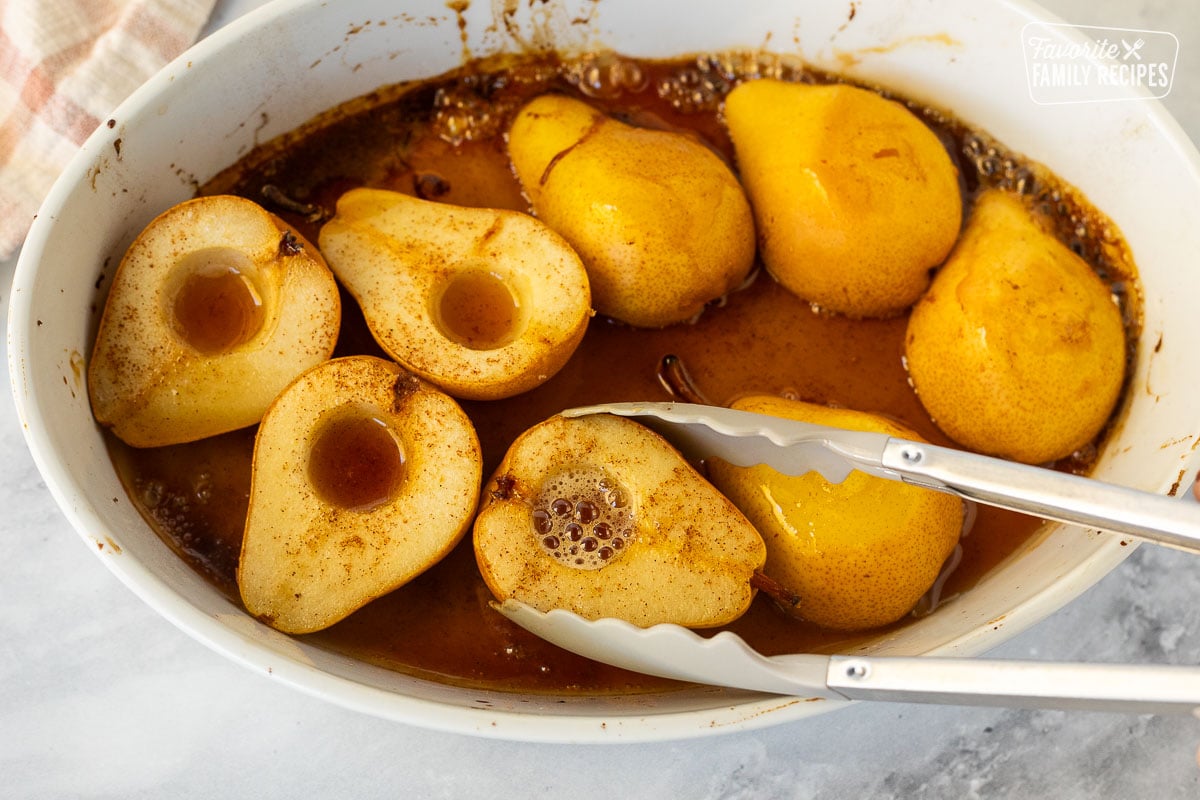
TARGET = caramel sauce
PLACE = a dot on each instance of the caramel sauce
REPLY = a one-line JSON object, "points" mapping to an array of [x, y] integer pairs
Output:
{"points": [[477, 310], [216, 307], [583, 518], [759, 339], [355, 462]]}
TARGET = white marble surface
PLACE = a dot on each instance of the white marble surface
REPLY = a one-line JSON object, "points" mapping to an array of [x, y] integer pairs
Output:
{"points": [[100, 697]]}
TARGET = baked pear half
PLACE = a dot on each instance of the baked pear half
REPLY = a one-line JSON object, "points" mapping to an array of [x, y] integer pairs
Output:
{"points": [[857, 554], [364, 476], [1018, 348], [485, 303], [601, 516], [215, 308], [660, 220]]}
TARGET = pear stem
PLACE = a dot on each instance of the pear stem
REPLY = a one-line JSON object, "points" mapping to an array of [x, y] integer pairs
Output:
{"points": [[678, 382], [774, 589], [276, 196]]}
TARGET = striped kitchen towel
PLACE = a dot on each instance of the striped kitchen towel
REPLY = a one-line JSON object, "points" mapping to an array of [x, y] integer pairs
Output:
{"points": [[64, 66]]}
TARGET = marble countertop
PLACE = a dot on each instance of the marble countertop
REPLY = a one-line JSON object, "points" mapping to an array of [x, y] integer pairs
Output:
{"points": [[101, 697]]}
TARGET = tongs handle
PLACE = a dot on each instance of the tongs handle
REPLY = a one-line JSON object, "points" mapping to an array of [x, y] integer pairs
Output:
{"points": [[1130, 688], [1045, 493], [725, 659]]}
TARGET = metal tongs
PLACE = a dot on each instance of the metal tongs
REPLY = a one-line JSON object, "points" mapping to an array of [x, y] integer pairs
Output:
{"points": [[747, 439]]}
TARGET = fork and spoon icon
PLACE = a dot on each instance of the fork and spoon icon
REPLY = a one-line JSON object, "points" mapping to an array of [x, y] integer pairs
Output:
{"points": [[1131, 50]]}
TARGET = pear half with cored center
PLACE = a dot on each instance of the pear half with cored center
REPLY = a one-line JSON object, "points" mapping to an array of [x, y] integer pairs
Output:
{"points": [[485, 303], [216, 306], [601, 516], [364, 476]]}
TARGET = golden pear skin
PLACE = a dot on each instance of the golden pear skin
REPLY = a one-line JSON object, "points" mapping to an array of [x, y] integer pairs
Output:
{"points": [[364, 476], [660, 221], [485, 303], [216, 306], [858, 554], [1018, 348], [600, 516], [855, 199]]}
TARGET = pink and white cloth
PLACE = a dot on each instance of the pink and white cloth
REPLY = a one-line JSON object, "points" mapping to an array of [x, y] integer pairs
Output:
{"points": [[64, 66]]}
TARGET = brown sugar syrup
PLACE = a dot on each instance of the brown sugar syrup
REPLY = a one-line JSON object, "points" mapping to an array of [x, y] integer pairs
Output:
{"points": [[443, 140]]}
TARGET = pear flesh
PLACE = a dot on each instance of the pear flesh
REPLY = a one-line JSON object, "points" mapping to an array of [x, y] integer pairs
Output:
{"points": [[484, 303], [660, 221], [600, 516], [857, 554], [363, 477], [215, 308], [1015, 324], [855, 198]]}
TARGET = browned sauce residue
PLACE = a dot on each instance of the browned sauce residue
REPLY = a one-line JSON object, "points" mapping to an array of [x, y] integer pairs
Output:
{"points": [[852, 58]]}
